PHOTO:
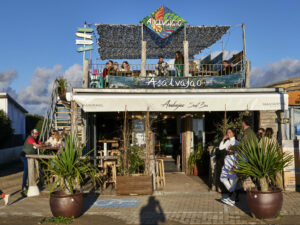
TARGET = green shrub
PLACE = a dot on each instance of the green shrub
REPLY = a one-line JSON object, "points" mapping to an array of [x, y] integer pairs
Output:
{"points": [[6, 131], [33, 122]]}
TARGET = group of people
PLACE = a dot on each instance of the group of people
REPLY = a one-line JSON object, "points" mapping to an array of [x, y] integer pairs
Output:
{"points": [[32, 143], [230, 144], [162, 67], [112, 68]]}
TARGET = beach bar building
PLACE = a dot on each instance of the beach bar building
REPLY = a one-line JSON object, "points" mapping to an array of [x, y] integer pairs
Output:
{"points": [[169, 114]]}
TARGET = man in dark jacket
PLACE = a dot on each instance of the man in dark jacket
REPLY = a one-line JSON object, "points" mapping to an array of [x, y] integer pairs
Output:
{"points": [[248, 134], [30, 147]]}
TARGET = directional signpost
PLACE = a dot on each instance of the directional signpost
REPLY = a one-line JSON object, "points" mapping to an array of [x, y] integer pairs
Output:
{"points": [[87, 44], [85, 48], [84, 42], [82, 35]]}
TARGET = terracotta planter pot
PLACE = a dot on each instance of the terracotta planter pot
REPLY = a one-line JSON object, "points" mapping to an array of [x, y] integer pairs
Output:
{"points": [[195, 170], [65, 205], [265, 205]]}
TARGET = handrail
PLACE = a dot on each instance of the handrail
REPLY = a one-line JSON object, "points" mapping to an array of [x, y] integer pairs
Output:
{"points": [[156, 69]]}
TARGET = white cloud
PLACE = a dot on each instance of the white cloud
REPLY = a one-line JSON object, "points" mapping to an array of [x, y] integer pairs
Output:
{"points": [[35, 97], [275, 72], [6, 78]]}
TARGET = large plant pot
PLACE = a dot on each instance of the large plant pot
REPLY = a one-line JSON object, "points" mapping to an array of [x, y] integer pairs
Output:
{"points": [[65, 205], [265, 205], [140, 185]]}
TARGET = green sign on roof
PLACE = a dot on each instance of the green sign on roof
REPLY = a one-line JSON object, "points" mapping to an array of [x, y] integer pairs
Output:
{"points": [[163, 21]]}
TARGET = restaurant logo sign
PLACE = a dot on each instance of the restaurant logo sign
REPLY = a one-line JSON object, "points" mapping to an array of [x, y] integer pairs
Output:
{"points": [[163, 21]]}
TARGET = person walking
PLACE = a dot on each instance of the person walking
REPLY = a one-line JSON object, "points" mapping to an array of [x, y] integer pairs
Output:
{"points": [[227, 177]]}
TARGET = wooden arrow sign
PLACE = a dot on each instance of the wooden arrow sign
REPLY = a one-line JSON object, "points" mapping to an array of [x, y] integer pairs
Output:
{"points": [[82, 35], [84, 30], [85, 48], [84, 42]]}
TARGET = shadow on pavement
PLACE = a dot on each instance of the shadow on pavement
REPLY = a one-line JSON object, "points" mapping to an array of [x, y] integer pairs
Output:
{"points": [[241, 204], [152, 213], [88, 201]]}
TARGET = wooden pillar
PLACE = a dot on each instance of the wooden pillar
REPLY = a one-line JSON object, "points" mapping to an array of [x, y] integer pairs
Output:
{"points": [[186, 142], [33, 189], [74, 116], [85, 82], [186, 57], [148, 142], [281, 130], [84, 126], [292, 127], [247, 74], [94, 138], [143, 58]]}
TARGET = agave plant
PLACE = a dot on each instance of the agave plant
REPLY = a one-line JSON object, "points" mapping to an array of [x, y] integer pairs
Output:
{"points": [[262, 162], [69, 167]]}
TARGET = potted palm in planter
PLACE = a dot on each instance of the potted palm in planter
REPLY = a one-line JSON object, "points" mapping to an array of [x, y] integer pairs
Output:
{"points": [[263, 162], [69, 168], [62, 88], [194, 161]]}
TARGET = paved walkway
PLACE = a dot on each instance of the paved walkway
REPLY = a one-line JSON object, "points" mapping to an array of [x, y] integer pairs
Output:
{"points": [[199, 208]]}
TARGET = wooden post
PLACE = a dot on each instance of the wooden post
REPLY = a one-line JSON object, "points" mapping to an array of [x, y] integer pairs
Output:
{"points": [[186, 142], [186, 58], [74, 112], [33, 189], [247, 74], [143, 58], [292, 135], [282, 135], [94, 138], [148, 142], [84, 126], [125, 166], [85, 82]]}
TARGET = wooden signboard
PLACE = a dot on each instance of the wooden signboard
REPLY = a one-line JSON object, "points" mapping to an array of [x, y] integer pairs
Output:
{"points": [[83, 35], [292, 172], [294, 97], [139, 185], [84, 42], [84, 30], [85, 48]]}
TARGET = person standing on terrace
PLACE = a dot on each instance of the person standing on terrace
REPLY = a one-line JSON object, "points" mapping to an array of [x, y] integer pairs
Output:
{"points": [[226, 68], [179, 61], [108, 68], [126, 68], [161, 68], [115, 69]]}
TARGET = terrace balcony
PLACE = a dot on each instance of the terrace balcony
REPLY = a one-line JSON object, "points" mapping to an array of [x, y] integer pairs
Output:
{"points": [[214, 74]]}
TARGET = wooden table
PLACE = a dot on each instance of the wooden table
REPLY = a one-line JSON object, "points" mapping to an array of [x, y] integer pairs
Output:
{"points": [[44, 147]]}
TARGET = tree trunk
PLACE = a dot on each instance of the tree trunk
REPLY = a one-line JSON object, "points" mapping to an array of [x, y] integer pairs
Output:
{"points": [[264, 184]]}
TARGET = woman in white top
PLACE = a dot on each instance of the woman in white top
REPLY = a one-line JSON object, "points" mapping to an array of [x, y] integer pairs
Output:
{"points": [[227, 177], [54, 140]]}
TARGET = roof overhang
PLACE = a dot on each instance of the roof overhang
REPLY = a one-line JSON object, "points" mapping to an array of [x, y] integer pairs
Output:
{"points": [[141, 100]]}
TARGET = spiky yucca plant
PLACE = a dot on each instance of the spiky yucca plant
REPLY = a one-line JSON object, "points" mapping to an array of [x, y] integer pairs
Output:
{"points": [[261, 161], [69, 167]]}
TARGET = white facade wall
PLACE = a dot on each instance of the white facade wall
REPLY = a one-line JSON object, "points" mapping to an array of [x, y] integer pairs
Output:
{"points": [[3, 104], [17, 118], [15, 114]]}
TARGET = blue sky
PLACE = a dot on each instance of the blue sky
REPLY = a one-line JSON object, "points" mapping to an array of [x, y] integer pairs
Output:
{"points": [[40, 33]]}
